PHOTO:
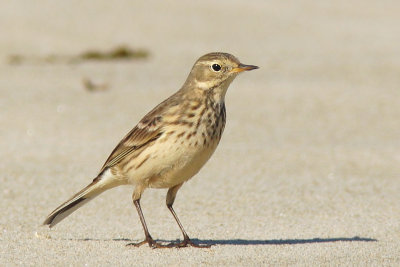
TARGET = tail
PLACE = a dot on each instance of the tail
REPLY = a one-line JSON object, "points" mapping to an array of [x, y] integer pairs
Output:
{"points": [[98, 186]]}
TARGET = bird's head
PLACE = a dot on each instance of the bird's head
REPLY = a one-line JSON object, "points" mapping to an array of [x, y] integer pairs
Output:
{"points": [[215, 71]]}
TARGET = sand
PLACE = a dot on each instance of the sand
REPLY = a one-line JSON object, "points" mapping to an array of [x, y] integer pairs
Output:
{"points": [[308, 169]]}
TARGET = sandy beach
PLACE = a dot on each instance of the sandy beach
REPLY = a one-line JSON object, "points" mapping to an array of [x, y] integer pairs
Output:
{"points": [[308, 169]]}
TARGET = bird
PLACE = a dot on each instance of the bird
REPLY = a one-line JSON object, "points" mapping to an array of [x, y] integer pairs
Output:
{"points": [[169, 145]]}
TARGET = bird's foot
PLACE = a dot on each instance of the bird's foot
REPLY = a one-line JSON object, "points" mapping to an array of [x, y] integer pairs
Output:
{"points": [[187, 243], [153, 244], [149, 240]]}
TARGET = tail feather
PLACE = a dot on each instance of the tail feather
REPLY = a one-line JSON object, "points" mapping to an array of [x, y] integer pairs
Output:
{"points": [[77, 201]]}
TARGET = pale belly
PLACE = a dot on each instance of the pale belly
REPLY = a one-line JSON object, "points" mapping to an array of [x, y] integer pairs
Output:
{"points": [[179, 153], [169, 165]]}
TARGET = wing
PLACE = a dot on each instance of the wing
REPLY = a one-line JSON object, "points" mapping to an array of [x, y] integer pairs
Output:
{"points": [[149, 129]]}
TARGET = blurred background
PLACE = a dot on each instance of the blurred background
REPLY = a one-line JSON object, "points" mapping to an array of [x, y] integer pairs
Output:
{"points": [[318, 123]]}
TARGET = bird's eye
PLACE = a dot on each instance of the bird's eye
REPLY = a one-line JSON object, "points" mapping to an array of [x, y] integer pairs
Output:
{"points": [[216, 67]]}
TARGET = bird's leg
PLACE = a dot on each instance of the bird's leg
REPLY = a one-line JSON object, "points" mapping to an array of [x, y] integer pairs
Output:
{"points": [[186, 240], [148, 239]]}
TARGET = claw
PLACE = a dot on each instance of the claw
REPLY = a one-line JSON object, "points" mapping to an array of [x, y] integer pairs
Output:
{"points": [[150, 241], [187, 243], [153, 244]]}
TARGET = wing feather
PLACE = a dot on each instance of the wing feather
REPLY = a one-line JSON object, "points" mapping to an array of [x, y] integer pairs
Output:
{"points": [[147, 131]]}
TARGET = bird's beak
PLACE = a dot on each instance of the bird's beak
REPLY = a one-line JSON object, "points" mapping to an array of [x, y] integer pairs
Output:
{"points": [[243, 67]]}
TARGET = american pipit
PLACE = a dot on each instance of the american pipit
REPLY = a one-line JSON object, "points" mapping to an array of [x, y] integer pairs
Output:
{"points": [[170, 144]]}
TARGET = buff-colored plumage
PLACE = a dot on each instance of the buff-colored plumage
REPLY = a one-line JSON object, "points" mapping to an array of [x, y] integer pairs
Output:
{"points": [[170, 144]]}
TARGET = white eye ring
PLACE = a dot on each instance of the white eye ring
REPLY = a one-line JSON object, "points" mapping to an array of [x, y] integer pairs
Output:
{"points": [[216, 67]]}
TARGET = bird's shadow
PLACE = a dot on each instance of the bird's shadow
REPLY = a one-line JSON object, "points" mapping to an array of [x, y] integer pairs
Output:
{"points": [[252, 242]]}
